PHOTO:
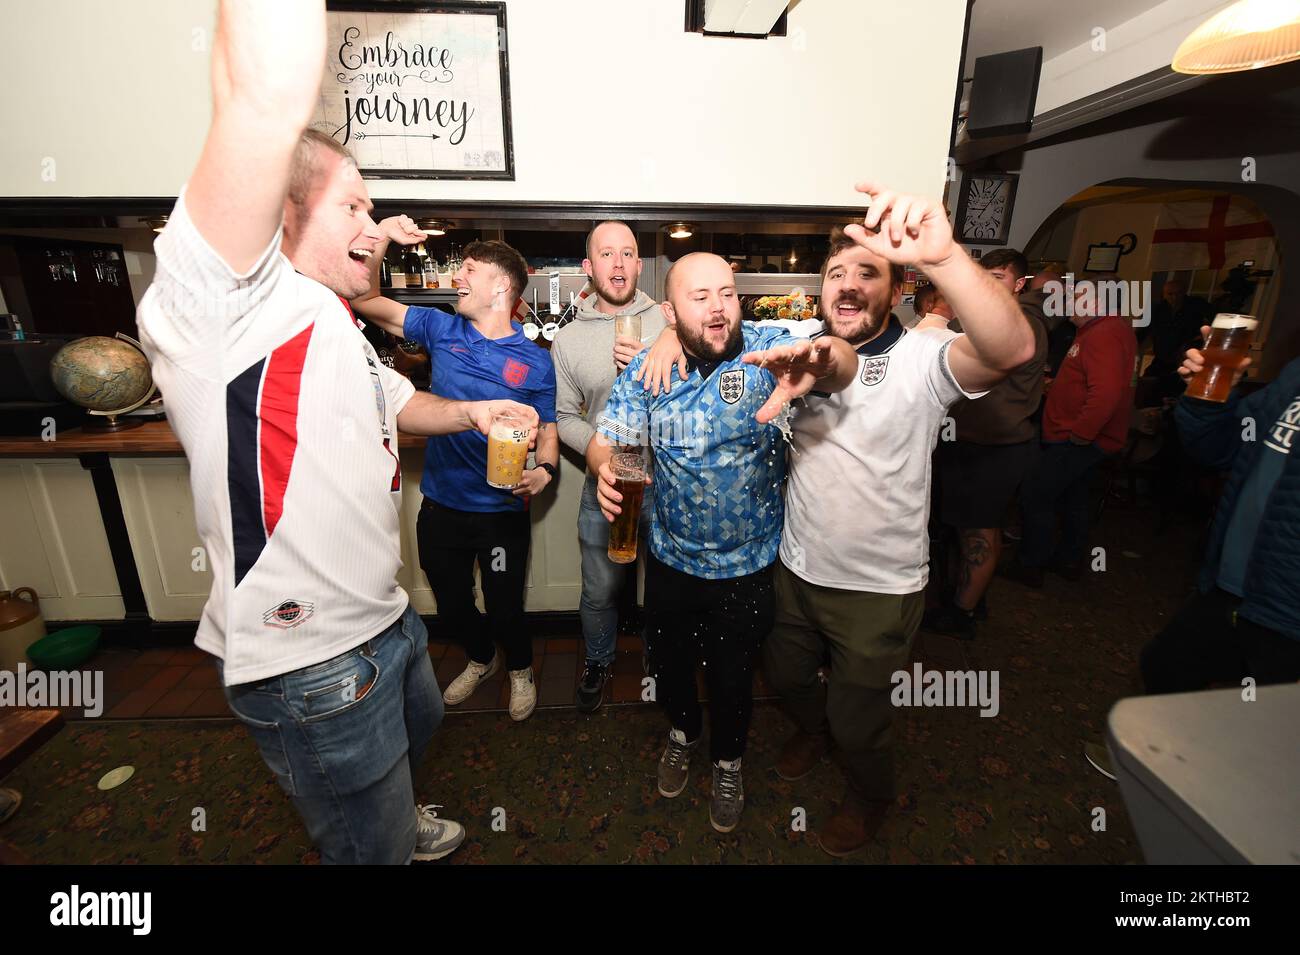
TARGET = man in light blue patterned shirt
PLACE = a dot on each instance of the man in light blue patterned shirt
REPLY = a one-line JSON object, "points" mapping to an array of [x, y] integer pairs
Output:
{"points": [[718, 511]]}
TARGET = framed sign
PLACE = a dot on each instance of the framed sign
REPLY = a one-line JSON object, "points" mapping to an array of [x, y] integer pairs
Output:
{"points": [[419, 90], [984, 207]]}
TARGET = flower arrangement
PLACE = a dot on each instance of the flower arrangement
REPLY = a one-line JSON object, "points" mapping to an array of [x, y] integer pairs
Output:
{"points": [[797, 305]]}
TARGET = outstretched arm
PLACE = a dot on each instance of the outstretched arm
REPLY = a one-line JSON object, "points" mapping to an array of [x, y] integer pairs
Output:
{"points": [[829, 363], [427, 414]]}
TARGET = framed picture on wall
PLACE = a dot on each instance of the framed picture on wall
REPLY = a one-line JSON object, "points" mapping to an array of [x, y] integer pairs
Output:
{"points": [[419, 90], [984, 207], [1103, 257]]}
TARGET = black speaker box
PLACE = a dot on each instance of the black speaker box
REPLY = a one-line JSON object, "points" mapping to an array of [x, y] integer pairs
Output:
{"points": [[1003, 91]]}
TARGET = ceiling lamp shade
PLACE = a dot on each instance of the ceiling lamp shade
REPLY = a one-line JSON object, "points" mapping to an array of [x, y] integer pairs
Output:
{"points": [[1248, 35]]}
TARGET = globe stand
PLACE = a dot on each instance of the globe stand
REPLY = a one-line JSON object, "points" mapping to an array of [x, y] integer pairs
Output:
{"points": [[99, 423]]}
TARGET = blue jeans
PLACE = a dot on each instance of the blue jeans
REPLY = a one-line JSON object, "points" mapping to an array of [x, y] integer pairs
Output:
{"points": [[601, 577], [344, 739]]}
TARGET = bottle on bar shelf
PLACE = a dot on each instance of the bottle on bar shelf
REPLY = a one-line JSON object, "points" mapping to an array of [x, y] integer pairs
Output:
{"points": [[396, 272], [385, 276], [430, 272], [414, 267]]}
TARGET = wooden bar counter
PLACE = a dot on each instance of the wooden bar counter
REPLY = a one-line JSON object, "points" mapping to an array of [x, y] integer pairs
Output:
{"points": [[152, 437], [102, 526]]}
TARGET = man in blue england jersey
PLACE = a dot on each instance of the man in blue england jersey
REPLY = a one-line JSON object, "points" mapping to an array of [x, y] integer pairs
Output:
{"points": [[478, 353], [718, 509]]}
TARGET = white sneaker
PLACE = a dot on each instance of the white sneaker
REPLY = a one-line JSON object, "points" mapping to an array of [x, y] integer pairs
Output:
{"points": [[464, 685], [523, 694], [434, 837]]}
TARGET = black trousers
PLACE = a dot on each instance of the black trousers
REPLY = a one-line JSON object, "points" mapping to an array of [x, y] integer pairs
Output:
{"points": [[450, 542], [1206, 642], [1057, 484], [715, 624]]}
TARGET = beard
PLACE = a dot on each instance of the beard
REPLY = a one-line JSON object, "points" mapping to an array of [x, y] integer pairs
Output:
{"points": [[859, 328], [613, 295], [343, 280], [699, 346]]}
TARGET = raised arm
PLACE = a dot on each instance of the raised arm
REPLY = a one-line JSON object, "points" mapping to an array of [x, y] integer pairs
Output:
{"points": [[267, 62], [372, 306], [914, 230]]}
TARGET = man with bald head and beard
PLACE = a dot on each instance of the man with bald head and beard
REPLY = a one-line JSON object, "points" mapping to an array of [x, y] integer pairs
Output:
{"points": [[715, 530], [854, 551]]}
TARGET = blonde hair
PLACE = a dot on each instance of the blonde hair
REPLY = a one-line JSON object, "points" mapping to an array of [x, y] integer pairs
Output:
{"points": [[305, 168]]}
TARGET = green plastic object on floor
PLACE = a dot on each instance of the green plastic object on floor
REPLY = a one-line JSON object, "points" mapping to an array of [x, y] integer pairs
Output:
{"points": [[65, 649]]}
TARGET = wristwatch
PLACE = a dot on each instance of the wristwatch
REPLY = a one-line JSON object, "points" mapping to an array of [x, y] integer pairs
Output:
{"points": [[548, 468]]}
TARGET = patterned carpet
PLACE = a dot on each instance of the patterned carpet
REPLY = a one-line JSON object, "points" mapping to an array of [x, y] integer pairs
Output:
{"points": [[573, 791], [1013, 788]]}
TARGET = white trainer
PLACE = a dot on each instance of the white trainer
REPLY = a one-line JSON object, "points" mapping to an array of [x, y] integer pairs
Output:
{"points": [[523, 694], [464, 685]]}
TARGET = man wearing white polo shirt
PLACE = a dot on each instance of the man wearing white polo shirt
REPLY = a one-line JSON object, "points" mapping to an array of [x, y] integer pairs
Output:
{"points": [[854, 554]]}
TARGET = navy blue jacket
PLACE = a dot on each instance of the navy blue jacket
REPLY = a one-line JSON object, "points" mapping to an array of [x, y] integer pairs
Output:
{"points": [[1213, 435]]}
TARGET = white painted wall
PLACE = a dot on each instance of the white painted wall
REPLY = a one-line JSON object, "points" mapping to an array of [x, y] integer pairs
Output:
{"points": [[1121, 53], [116, 94]]}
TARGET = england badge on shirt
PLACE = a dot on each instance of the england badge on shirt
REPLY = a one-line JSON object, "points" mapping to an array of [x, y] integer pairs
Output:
{"points": [[731, 385], [873, 370]]}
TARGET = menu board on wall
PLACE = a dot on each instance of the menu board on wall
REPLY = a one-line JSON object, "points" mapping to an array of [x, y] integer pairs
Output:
{"points": [[419, 90]]}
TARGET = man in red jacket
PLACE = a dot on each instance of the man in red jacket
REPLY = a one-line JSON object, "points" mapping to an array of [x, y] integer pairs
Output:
{"points": [[1085, 418]]}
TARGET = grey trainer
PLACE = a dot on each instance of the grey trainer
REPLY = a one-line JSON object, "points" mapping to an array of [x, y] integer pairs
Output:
{"points": [[728, 796], [675, 764], [435, 838]]}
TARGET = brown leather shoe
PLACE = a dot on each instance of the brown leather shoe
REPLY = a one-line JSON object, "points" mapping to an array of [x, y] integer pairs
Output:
{"points": [[854, 824], [800, 754]]}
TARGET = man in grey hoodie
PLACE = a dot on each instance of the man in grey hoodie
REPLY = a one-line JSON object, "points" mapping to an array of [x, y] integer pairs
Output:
{"points": [[587, 357]]}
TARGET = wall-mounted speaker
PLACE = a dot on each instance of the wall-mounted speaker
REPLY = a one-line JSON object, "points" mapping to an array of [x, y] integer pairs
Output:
{"points": [[1003, 92]]}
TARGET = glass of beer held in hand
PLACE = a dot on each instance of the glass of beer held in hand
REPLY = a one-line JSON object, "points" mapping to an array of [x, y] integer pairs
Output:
{"points": [[627, 326], [507, 450], [629, 481], [1225, 348]]}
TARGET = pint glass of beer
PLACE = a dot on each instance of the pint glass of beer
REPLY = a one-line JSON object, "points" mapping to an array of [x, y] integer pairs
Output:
{"points": [[1229, 340], [507, 451], [629, 480], [628, 326]]}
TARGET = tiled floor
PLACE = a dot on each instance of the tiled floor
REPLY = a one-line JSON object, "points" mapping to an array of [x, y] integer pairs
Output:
{"points": [[183, 683]]}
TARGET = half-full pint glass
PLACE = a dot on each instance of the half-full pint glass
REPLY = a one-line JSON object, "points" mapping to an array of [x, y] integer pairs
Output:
{"points": [[507, 450], [627, 325], [1228, 343], [629, 480]]}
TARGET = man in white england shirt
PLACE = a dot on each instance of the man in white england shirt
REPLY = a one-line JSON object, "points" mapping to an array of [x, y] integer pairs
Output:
{"points": [[289, 422], [854, 553]]}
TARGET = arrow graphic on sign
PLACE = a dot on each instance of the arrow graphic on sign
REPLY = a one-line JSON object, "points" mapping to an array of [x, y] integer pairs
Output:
{"points": [[396, 136]]}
